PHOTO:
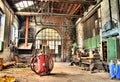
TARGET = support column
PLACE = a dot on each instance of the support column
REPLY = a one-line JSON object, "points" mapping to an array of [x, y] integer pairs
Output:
{"points": [[110, 11], [26, 32]]}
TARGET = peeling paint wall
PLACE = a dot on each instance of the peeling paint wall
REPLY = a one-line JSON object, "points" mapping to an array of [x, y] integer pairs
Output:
{"points": [[102, 13], [105, 11], [10, 19], [66, 32], [103, 17], [79, 31]]}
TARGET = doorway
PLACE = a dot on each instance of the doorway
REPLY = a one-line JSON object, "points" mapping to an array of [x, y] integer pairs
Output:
{"points": [[104, 50], [111, 49]]}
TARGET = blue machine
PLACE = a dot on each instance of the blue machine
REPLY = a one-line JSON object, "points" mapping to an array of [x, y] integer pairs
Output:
{"points": [[112, 70], [117, 71], [109, 31]]}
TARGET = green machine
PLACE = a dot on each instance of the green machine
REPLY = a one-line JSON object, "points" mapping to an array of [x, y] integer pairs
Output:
{"points": [[111, 42], [112, 48]]}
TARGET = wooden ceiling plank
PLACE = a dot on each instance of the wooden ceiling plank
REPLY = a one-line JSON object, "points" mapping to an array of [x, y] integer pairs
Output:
{"points": [[70, 7], [62, 7], [76, 9], [65, 8], [73, 1], [74, 6]]}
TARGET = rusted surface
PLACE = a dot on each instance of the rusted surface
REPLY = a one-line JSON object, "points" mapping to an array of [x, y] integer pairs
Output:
{"points": [[26, 32]]}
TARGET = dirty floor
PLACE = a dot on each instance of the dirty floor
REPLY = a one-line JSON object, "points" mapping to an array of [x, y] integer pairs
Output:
{"points": [[61, 72]]}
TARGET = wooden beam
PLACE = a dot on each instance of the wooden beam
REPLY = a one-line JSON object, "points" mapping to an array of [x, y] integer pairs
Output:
{"points": [[56, 25], [62, 7], [62, 1], [75, 5], [72, 1], [66, 1], [46, 14], [7, 64], [76, 9], [69, 8], [65, 8]]}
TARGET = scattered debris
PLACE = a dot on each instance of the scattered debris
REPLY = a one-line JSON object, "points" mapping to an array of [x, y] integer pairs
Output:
{"points": [[21, 65], [8, 64]]}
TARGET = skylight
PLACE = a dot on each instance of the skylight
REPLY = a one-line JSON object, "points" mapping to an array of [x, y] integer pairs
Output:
{"points": [[23, 4]]}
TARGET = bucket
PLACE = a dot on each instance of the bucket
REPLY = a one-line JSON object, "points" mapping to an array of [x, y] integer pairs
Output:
{"points": [[118, 72], [112, 70], [1, 64]]}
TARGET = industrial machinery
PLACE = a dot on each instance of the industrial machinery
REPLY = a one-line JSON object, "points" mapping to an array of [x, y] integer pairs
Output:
{"points": [[42, 64]]}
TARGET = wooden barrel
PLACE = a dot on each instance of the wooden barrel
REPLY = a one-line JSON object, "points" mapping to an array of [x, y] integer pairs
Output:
{"points": [[1, 64]]}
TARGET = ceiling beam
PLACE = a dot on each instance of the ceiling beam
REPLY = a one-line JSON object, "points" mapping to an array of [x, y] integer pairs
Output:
{"points": [[72, 1], [69, 8], [65, 8], [76, 9], [63, 1], [46, 14], [62, 7], [56, 25]]}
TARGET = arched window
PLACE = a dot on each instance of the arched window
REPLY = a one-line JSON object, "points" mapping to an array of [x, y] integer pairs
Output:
{"points": [[49, 39]]}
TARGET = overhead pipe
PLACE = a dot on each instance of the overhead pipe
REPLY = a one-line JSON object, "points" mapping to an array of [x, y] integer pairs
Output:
{"points": [[26, 32], [46, 14]]}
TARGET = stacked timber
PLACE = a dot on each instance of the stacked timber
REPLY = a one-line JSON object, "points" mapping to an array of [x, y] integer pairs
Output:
{"points": [[7, 64]]}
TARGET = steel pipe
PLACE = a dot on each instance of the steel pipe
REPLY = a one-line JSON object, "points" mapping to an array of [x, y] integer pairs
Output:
{"points": [[45, 14]]}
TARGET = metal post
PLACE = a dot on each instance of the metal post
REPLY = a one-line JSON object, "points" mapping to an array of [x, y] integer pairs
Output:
{"points": [[26, 32], [109, 1]]}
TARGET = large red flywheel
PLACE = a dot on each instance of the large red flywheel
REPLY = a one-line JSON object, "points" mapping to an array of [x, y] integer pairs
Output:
{"points": [[42, 64]]}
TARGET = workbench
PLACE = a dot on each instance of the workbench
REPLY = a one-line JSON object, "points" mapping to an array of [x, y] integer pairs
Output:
{"points": [[90, 61]]}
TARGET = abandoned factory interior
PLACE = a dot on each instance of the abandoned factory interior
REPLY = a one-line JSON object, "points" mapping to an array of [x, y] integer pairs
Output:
{"points": [[59, 40]]}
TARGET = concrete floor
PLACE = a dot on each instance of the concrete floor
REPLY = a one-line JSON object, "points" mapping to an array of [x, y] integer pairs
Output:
{"points": [[61, 72]]}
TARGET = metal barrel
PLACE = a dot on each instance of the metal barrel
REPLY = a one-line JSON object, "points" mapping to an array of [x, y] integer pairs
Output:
{"points": [[112, 70], [118, 72]]}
